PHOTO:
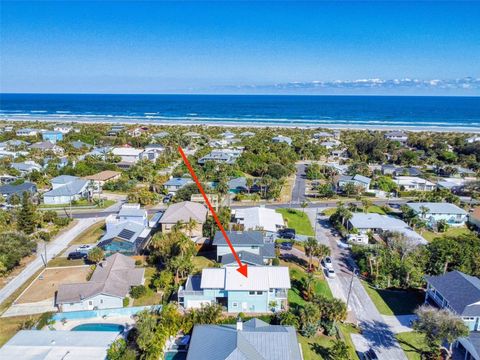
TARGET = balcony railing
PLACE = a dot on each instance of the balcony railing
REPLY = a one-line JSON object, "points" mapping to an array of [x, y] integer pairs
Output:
{"points": [[281, 294], [182, 293]]}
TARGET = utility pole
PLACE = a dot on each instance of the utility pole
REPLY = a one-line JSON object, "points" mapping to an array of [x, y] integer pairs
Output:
{"points": [[354, 273]]}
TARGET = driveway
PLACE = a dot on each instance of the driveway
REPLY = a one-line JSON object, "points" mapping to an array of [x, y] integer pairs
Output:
{"points": [[54, 248], [376, 332], [298, 192]]}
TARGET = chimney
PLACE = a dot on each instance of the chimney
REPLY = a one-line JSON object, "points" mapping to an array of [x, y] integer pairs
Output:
{"points": [[239, 324]]}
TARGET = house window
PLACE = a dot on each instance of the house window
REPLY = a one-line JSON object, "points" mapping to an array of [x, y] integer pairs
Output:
{"points": [[101, 301], [251, 293], [235, 304], [259, 292], [90, 303]]}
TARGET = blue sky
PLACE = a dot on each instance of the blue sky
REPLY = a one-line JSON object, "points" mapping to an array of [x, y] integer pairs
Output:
{"points": [[241, 47]]}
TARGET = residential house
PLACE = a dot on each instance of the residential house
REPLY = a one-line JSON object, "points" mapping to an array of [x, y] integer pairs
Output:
{"points": [[382, 224], [44, 146], [58, 344], [26, 167], [253, 339], [452, 184], [138, 131], [399, 136], [13, 144], [79, 145], [398, 170], [282, 139], [474, 217], [129, 156], [9, 190], [239, 185], [264, 290], [247, 134], [27, 132], [109, 284], [64, 129], [259, 218], [413, 183], [52, 136], [227, 135], [63, 161], [175, 184], [434, 212], [127, 232], [357, 180], [227, 156], [66, 189], [322, 135], [184, 212], [193, 135], [152, 152], [330, 144], [252, 247], [459, 293], [99, 179], [473, 139], [223, 142], [115, 130], [160, 135], [7, 179]]}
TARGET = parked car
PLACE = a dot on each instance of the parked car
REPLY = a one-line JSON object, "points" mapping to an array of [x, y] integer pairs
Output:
{"points": [[75, 255], [167, 198], [286, 246], [287, 233], [327, 262], [85, 248], [331, 273]]}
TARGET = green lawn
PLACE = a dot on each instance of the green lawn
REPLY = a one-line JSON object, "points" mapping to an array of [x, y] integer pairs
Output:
{"points": [[9, 326], [151, 297], [63, 261], [80, 204], [376, 210], [91, 235], [201, 262], [430, 235], [297, 220], [346, 330], [329, 212], [393, 302], [297, 274], [413, 344]]}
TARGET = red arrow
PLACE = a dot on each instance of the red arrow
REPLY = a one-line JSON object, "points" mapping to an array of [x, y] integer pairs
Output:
{"points": [[242, 269]]}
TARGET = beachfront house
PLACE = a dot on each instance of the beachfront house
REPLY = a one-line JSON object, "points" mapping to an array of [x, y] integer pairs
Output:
{"points": [[399, 136], [434, 212], [264, 290], [185, 213], [66, 189], [359, 181], [473, 139], [282, 139], [253, 339], [258, 218], [252, 247], [383, 224], [175, 184], [64, 129], [413, 183], [127, 232], [52, 136], [459, 293], [109, 284]]}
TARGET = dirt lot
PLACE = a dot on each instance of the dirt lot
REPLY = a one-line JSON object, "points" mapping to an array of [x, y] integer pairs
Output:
{"points": [[45, 286]]}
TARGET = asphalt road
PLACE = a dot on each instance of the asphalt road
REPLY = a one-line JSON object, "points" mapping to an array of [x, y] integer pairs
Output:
{"points": [[375, 331], [54, 247], [298, 192]]}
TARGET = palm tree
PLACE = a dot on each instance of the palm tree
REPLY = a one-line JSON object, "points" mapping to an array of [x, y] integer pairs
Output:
{"points": [[249, 184], [424, 211], [320, 252], [179, 226], [310, 247], [366, 203], [304, 204], [191, 225], [308, 284]]}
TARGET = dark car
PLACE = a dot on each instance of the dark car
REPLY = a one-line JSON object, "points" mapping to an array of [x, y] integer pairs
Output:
{"points": [[286, 246], [167, 198], [75, 255], [370, 355], [287, 233]]}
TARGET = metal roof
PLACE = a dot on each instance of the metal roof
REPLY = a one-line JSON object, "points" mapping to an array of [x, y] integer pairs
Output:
{"points": [[437, 208], [240, 238], [70, 189]]}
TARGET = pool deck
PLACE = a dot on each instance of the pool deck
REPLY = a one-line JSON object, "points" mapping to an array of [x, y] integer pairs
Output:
{"points": [[120, 320]]}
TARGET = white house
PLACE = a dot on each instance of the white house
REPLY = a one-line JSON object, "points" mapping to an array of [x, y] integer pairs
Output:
{"points": [[26, 167], [128, 155], [357, 180], [399, 136], [259, 218], [64, 129], [109, 284], [282, 139], [66, 189], [410, 183], [434, 212], [473, 139], [27, 132]]}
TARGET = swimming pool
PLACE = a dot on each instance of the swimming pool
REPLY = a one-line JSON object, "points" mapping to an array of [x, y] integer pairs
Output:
{"points": [[174, 355], [99, 327]]}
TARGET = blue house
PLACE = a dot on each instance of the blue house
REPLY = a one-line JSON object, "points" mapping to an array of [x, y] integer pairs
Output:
{"points": [[175, 184], [251, 246], [264, 290], [52, 136], [9, 190], [460, 294]]}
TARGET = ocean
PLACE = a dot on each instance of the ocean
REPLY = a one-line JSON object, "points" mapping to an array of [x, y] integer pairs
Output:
{"points": [[406, 112]]}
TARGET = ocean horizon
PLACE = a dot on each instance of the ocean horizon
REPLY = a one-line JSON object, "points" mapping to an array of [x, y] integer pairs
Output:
{"points": [[440, 113]]}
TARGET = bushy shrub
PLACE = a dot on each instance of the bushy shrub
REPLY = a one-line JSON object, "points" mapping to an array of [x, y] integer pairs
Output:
{"points": [[138, 291]]}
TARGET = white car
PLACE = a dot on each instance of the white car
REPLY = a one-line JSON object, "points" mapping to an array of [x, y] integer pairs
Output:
{"points": [[327, 262], [331, 273], [85, 248]]}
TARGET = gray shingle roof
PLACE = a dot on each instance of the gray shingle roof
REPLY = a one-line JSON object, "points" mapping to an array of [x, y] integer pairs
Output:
{"points": [[245, 257], [184, 211], [64, 179], [113, 277], [460, 290], [438, 208], [257, 341], [240, 238], [17, 189], [69, 189]]}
